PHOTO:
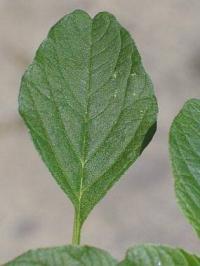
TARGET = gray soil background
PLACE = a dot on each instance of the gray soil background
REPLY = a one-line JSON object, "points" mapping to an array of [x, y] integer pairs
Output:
{"points": [[34, 212]]}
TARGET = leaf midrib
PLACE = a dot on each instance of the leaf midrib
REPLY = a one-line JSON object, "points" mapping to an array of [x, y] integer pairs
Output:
{"points": [[86, 120]]}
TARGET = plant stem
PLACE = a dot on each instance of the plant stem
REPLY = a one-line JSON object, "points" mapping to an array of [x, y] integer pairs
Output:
{"points": [[76, 229]]}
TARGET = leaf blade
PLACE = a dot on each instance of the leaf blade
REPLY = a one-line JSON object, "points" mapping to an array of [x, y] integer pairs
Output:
{"points": [[89, 105], [184, 143], [64, 256], [151, 255]]}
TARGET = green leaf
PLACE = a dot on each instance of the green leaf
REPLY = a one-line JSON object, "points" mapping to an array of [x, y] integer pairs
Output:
{"points": [[89, 105], [65, 256], [185, 158], [144, 255], [150, 255]]}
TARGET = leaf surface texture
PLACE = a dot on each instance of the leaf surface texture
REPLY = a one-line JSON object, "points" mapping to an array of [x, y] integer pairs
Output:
{"points": [[89, 105], [64, 256], [185, 158], [150, 255]]}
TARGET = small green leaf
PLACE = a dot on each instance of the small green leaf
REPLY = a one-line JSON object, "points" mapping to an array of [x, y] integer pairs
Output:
{"points": [[64, 256], [185, 158], [89, 105], [150, 255]]}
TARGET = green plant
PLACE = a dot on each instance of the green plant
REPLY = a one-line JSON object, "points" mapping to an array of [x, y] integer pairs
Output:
{"points": [[91, 110]]}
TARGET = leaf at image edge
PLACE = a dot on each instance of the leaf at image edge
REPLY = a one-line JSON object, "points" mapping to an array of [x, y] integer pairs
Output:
{"points": [[152, 255], [185, 159], [64, 256]]}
